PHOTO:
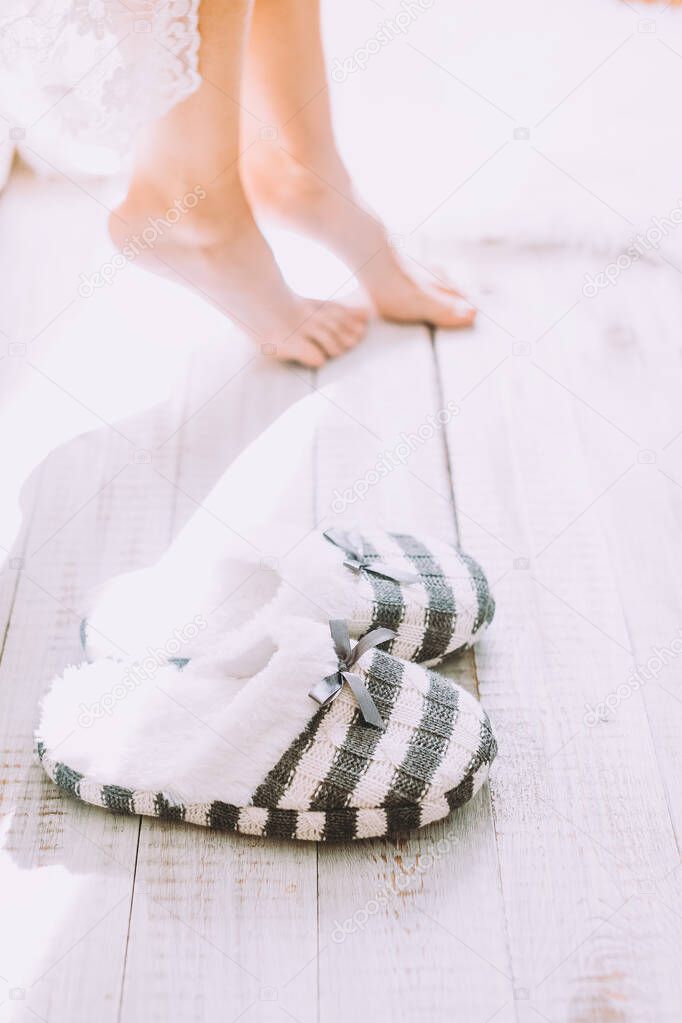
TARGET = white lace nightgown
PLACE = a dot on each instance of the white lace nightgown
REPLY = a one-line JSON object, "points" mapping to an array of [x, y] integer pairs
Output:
{"points": [[79, 78]]}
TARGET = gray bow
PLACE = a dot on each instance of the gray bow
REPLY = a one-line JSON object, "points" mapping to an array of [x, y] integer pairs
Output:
{"points": [[328, 688], [351, 542]]}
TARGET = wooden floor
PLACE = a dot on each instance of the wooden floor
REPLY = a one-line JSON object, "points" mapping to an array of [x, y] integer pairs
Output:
{"points": [[557, 893]]}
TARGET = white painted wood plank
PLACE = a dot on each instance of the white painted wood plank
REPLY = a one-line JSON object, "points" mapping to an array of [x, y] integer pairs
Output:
{"points": [[410, 928], [97, 510], [68, 870], [626, 365], [581, 818], [65, 871]]}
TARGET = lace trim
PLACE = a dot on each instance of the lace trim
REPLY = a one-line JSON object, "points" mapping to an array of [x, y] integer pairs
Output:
{"points": [[98, 69]]}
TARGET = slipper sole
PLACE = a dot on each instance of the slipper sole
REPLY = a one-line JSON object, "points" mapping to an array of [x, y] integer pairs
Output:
{"points": [[343, 824]]}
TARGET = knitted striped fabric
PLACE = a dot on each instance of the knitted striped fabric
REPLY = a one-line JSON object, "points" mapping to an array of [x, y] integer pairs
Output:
{"points": [[340, 778], [448, 606]]}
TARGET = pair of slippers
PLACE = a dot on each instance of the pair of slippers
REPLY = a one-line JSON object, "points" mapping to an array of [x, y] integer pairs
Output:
{"points": [[285, 726]]}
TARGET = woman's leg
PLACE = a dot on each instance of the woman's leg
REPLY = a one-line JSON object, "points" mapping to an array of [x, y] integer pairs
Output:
{"points": [[186, 194], [301, 176]]}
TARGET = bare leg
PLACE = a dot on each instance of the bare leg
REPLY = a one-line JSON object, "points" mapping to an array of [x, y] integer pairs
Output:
{"points": [[301, 177], [188, 161]]}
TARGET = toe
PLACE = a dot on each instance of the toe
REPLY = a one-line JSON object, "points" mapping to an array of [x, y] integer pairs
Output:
{"points": [[350, 338], [302, 350], [455, 303], [354, 332], [444, 310], [310, 354], [350, 329], [327, 335]]}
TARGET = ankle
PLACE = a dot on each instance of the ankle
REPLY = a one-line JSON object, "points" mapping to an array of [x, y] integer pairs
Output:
{"points": [[193, 214], [293, 174], [322, 163]]}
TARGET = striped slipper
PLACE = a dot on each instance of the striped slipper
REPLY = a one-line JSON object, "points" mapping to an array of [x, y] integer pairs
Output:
{"points": [[435, 597], [237, 743]]}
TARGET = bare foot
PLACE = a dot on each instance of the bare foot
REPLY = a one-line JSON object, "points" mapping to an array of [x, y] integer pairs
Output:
{"points": [[214, 246], [322, 202]]}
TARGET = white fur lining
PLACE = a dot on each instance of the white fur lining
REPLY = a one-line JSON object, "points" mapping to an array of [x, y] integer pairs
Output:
{"points": [[202, 733], [144, 612]]}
